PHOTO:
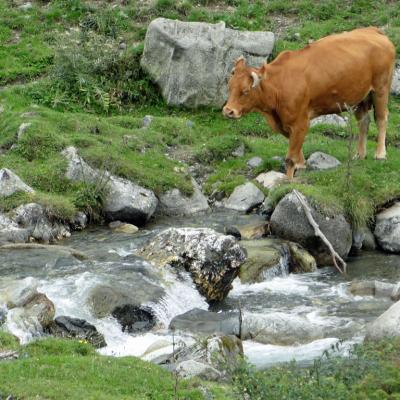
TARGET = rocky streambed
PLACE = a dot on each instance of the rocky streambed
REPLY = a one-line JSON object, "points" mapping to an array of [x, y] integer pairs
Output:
{"points": [[128, 306]]}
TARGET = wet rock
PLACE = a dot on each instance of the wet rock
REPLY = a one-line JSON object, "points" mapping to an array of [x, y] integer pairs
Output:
{"points": [[254, 162], [176, 53], [254, 230], [330, 119], [395, 88], [124, 200], [10, 232], [233, 231], [245, 197], [212, 259], [387, 229], [103, 300], [364, 239], [22, 129], [39, 306], [33, 217], [120, 227], [301, 261], [386, 325], [280, 329], [321, 161], [266, 258], [134, 319], [288, 221], [206, 322], [173, 202], [10, 183], [267, 207], [80, 221], [68, 327], [18, 294], [271, 179]]}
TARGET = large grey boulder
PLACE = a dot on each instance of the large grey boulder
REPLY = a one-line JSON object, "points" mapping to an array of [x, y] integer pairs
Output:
{"points": [[191, 61], [35, 220], [290, 222], [395, 88], [387, 228], [386, 325], [244, 198], [125, 201], [173, 202], [212, 259], [10, 183], [320, 161], [190, 368]]}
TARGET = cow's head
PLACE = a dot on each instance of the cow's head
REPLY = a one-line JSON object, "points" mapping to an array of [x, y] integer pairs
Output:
{"points": [[244, 91]]}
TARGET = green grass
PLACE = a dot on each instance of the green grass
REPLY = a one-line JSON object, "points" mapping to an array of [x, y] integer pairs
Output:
{"points": [[54, 369]]}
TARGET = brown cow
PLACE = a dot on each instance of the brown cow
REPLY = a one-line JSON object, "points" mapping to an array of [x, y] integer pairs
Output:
{"points": [[350, 69]]}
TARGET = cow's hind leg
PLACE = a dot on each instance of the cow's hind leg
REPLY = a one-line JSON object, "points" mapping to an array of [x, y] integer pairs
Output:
{"points": [[381, 99], [363, 120]]}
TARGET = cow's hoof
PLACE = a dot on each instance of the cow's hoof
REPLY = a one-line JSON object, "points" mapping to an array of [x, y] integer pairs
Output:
{"points": [[380, 158], [359, 156]]}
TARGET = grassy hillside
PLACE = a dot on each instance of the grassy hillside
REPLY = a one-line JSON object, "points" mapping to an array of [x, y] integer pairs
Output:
{"points": [[71, 69]]}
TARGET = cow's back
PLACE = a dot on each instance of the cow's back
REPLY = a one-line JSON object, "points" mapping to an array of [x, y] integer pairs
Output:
{"points": [[338, 69]]}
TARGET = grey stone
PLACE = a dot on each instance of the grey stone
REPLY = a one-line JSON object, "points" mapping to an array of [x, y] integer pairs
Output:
{"points": [[254, 162], [386, 325], [80, 221], [125, 228], [10, 183], [212, 259], [10, 232], [33, 217], [239, 151], [134, 319], [173, 202], [301, 261], [202, 322], [245, 197], [26, 6], [190, 61], [387, 229], [376, 288], [255, 230], [330, 119], [191, 368], [124, 200], [271, 179], [320, 161], [290, 222], [395, 88]]}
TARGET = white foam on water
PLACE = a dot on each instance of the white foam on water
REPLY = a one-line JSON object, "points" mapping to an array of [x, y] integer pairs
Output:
{"points": [[290, 285], [266, 355]]}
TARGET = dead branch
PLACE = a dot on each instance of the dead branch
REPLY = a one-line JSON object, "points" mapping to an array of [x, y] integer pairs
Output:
{"points": [[317, 231]]}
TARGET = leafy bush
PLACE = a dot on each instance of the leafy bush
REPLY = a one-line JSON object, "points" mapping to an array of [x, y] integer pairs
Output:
{"points": [[93, 71]]}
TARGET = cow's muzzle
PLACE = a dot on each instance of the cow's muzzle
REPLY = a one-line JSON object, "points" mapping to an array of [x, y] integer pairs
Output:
{"points": [[230, 112]]}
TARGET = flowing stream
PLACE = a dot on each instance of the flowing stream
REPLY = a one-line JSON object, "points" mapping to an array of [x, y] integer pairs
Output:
{"points": [[312, 311]]}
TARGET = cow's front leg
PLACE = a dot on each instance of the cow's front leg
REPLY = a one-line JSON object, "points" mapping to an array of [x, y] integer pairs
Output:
{"points": [[294, 157]]}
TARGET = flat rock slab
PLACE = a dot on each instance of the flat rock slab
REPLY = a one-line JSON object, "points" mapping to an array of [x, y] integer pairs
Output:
{"points": [[191, 61], [320, 161], [245, 197]]}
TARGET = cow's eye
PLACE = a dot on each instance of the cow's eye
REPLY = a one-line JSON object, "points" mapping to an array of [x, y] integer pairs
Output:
{"points": [[245, 92]]}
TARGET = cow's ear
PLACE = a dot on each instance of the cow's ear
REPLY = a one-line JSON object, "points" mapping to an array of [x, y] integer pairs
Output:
{"points": [[240, 62], [262, 72], [256, 79]]}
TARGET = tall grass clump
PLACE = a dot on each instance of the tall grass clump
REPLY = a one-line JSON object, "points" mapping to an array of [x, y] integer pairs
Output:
{"points": [[92, 72]]}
